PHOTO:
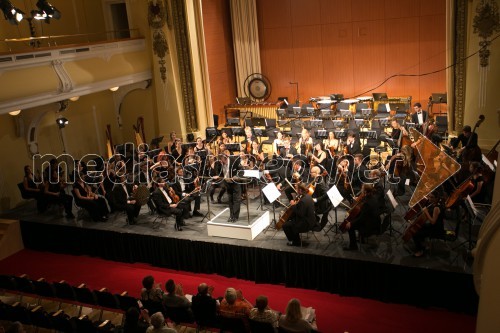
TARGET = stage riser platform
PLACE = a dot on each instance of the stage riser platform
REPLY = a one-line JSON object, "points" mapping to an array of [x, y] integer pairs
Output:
{"points": [[344, 276]]}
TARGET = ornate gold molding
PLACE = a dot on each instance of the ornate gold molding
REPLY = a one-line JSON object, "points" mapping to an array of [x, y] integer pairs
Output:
{"points": [[486, 22], [184, 63], [157, 16], [460, 67]]}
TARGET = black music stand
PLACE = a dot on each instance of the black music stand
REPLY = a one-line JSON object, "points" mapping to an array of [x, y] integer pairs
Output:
{"points": [[233, 146], [367, 113], [384, 122], [258, 122], [339, 135], [238, 131], [233, 122], [259, 133], [270, 123], [359, 122], [296, 111], [368, 134], [307, 110], [379, 96], [210, 133], [337, 97], [315, 123], [321, 134], [281, 113], [437, 98], [325, 113], [338, 123], [243, 100], [345, 114]]}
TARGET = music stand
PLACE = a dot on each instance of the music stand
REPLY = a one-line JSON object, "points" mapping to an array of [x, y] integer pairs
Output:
{"points": [[366, 112], [438, 98], [410, 125], [338, 123], [315, 123], [336, 97], [346, 114], [211, 132], [233, 122], [259, 132], [233, 146], [321, 134], [379, 96], [392, 143], [325, 113], [296, 111], [258, 122], [384, 122], [186, 146], [359, 122], [270, 123], [281, 113], [243, 100], [368, 134], [308, 111], [339, 134], [238, 131]]}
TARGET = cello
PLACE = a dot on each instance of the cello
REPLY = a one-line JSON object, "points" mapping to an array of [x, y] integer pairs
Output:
{"points": [[287, 213], [353, 212]]}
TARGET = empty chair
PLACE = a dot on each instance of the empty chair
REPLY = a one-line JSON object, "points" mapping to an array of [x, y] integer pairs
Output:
{"points": [[153, 306], [62, 323], [260, 327], [44, 289], [64, 291], [85, 296], [7, 282], [83, 325], [106, 299], [233, 324], [41, 319], [126, 302]]}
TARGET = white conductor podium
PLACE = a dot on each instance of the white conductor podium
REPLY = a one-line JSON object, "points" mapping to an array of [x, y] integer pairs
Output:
{"points": [[244, 228]]}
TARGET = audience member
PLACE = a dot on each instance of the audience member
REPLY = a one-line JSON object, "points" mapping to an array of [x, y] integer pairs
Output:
{"points": [[175, 298], [204, 306], [234, 304], [158, 325], [261, 312], [134, 322], [292, 320], [151, 292]]}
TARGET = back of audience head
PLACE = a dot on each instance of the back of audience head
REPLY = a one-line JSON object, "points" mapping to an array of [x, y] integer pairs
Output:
{"points": [[261, 303], [203, 289], [230, 295], [16, 327], [148, 282], [132, 316], [293, 310], [157, 320], [170, 286]]}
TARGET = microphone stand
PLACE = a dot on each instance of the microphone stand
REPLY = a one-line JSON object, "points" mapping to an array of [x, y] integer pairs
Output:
{"points": [[297, 101]]}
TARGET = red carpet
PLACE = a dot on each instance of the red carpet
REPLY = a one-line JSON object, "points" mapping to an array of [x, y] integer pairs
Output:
{"points": [[334, 313]]}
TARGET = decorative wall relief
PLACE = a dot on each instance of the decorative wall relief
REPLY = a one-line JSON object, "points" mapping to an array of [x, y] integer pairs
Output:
{"points": [[157, 17], [486, 23]]}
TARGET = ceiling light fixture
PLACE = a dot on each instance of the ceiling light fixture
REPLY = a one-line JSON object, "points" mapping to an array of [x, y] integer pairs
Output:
{"points": [[45, 11], [12, 14], [74, 98], [62, 122], [15, 113], [114, 88]]}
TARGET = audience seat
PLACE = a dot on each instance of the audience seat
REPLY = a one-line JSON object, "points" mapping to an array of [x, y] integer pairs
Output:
{"points": [[260, 327], [233, 324]]}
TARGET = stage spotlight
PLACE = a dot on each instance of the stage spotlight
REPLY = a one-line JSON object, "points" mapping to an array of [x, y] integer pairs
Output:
{"points": [[45, 11], [12, 14], [62, 122]]}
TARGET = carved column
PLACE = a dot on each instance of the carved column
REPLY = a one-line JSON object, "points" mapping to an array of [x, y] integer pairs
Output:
{"points": [[459, 80]]}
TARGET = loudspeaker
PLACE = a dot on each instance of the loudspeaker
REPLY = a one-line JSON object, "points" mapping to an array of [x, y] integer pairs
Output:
{"points": [[216, 121], [190, 137]]}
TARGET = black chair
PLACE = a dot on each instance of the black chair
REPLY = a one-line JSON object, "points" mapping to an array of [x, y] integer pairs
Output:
{"points": [[179, 315], [41, 319], [232, 324], [106, 300], [44, 289], [126, 302], [85, 296], [64, 291], [24, 194], [19, 313], [7, 282], [153, 307], [61, 322], [261, 327], [83, 325]]}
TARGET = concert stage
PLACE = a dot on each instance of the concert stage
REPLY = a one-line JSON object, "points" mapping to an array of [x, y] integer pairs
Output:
{"points": [[384, 269]]}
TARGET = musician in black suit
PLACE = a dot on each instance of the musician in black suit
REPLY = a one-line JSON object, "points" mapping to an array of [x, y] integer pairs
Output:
{"points": [[230, 166], [368, 220], [469, 144], [287, 151], [419, 117], [359, 174], [185, 186], [165, 204], [123, 201], [322, 204], [302, 217], [297, 173], [352, 144]]}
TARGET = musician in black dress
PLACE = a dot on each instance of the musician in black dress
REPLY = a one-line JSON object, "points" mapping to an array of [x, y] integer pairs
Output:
{"points": [[54, 193], [434, 227], [478, 193], [31, 189], [368, 221], [123, 200], [302, 218], [322, 204], [85, 198]]}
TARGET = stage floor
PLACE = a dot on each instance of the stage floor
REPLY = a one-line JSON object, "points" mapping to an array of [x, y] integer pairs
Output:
{"points": [[386, 248]]}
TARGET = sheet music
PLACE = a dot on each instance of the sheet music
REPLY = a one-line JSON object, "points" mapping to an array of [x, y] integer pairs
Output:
{"points": [[407, 182], [471, 203], [488, 163], [251, 173], [393, 201], [271, 192], [334, 195]]}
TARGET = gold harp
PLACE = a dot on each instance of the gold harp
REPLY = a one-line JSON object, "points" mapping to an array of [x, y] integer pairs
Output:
{"points": [[109, 142], [138, 130]]}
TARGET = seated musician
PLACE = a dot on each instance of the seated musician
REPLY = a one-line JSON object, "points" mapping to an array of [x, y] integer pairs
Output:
{"points": [[54, 193], [201, 147], [85, 198], [165, 204], [186, 186], [359, 173], [298, 174], [31, 189], [331, 143], [434, 225], [368, 221], [469, 145], [257, 153], [287, 151], [322, 204], [172, 143], [123, 200], [478, 193], [352, 144], [397, 133], [278, 143], [400, 169], [224, 138], [249, 138], [302, 219], [319, 155], [177, 152], [305, 144]]}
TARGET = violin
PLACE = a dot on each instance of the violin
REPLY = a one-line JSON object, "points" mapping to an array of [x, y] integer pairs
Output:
{"points": [[175, 198]]}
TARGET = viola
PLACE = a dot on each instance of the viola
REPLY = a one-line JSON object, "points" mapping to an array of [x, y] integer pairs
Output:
{"points": [[175, 198]]}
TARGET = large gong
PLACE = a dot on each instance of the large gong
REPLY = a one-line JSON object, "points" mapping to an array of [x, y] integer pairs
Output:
{"points": [[257, 87]]}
